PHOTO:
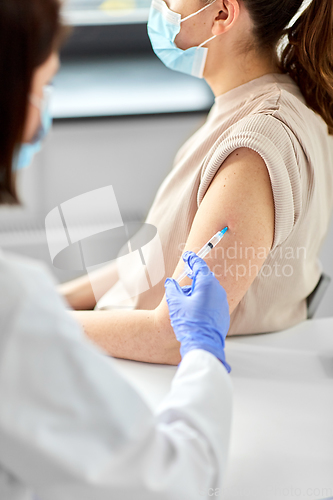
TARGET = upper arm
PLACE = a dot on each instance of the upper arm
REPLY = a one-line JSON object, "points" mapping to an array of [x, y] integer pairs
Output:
{"points": [[240, 197]]}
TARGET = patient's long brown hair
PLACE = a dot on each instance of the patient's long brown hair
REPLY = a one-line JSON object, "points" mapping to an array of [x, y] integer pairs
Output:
{"points": [[308, 55], [29, 31]]}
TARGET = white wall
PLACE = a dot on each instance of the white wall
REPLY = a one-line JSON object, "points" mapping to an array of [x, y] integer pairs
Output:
{"points": [[134, 155]]}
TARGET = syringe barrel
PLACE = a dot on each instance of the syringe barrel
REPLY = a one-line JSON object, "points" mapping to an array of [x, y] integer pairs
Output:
{"points": [[205, 250], [216, 239], [182, 276]]}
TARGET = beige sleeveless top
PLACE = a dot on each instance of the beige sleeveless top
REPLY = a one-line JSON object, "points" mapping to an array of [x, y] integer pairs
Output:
{"points": [[268, 115]]}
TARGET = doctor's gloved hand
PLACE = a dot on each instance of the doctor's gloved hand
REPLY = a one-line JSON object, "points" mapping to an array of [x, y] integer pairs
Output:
{"points": [[199, 314]]}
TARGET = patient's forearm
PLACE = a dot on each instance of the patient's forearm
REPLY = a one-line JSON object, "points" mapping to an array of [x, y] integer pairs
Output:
{"points": [[138, 335]]}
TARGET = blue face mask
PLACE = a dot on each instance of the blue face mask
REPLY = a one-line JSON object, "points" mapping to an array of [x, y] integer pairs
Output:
{"points": [[27, 151], [163, 27]]}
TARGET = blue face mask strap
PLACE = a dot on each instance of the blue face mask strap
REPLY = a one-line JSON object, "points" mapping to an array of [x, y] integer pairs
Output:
{"points": [[36, 101], [209, 40], [42, 102], [198, 12]]}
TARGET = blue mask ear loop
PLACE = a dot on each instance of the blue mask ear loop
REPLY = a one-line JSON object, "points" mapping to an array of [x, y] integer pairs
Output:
{"points": [[42, 102], [23, 157], [195, 14], [36, 101], [198, 12]]}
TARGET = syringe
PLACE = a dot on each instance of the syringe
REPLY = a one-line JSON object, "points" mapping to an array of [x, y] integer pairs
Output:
{"points": [[206, 249]]}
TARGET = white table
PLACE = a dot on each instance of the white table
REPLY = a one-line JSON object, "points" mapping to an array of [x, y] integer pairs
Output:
{"points": [[282, 436]]}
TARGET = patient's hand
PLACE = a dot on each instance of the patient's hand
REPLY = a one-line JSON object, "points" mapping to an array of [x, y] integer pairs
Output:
{"points": [[80, 294]]}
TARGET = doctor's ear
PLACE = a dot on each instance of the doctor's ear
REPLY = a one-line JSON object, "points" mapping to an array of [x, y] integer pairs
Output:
{"points": [[227, 16]]}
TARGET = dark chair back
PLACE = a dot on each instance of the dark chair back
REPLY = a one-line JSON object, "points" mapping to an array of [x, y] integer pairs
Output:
{"points": [[315, 298]]}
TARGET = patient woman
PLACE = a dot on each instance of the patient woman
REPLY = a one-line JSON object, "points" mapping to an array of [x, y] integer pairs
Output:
{"points": [[262, 165]]}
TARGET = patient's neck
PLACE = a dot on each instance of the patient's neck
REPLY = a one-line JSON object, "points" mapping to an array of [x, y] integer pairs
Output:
{"points": [[231, 71]]}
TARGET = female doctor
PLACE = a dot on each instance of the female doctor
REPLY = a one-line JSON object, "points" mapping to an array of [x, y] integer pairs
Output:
{"points": [[70, 426]]}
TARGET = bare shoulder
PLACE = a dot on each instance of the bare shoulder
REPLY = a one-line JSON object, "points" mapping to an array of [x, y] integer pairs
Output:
{"points": [[240, 197], [242, 189]]}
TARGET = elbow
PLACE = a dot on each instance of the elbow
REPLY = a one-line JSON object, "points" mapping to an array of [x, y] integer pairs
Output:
{"points": [[173, 356], [167, 338], [171, 352]]}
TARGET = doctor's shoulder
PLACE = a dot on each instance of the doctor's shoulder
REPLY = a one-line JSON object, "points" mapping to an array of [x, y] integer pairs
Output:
{"points": [[21, 272], [26, 287]]}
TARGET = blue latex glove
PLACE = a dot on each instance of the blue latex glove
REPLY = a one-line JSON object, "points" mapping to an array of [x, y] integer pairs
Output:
{"points": [[199, 314]]}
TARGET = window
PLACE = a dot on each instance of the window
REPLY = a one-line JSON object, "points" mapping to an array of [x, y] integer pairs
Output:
{"points": [[92, 12]]}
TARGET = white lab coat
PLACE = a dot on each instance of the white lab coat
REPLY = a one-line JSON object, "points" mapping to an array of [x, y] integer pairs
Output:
{"points": [[71, 428]]}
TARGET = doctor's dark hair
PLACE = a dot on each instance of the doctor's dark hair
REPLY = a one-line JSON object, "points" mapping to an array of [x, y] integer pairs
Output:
{"points": [[308, 55], [29, 31]]}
